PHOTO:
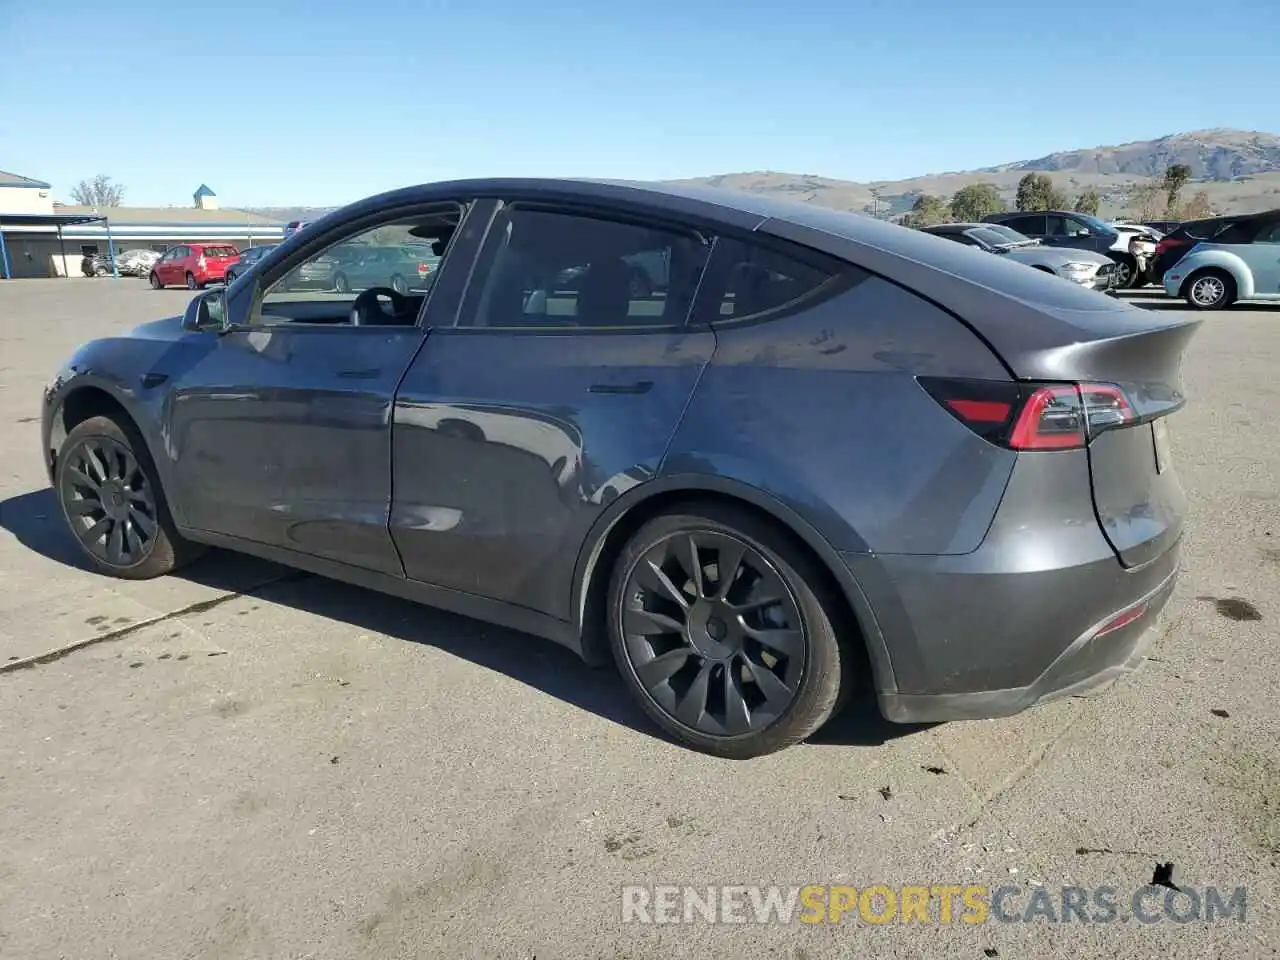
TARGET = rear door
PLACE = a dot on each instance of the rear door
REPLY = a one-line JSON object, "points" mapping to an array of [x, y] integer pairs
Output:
{"points": [[1032, 225], [539, 400]]}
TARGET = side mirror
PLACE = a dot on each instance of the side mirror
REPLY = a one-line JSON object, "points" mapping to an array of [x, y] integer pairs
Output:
{"points": [[208, 311], [1083, 232]]}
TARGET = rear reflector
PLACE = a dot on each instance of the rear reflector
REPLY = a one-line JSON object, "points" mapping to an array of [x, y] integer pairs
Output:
{"points": [[1032, 416], [1129, 616]]}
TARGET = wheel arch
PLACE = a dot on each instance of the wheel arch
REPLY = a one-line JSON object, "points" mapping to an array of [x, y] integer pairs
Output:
{"points": [[1228, 263], [629, 512]]}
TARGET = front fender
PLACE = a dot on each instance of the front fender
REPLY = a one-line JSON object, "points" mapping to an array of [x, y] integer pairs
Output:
{"points": [[134, 373], [1221, 260]]}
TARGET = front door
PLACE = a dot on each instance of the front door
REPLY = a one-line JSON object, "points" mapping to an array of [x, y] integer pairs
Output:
{"points": [[280, 434], [1263, 257], [557, 389]]}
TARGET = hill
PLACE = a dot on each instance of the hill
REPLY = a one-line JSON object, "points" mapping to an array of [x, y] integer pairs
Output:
{"points": [[1239, 170]]}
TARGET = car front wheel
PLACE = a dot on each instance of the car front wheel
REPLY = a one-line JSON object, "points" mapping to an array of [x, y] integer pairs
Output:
{"points": [[112, 502], [724, 633]]}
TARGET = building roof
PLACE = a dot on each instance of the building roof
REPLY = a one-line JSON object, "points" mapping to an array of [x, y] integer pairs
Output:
{"points": [[204, 191], [172, 216], [17, 180]]}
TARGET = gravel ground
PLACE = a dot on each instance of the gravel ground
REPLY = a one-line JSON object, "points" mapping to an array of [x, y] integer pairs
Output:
{"points": [[253, 763]]}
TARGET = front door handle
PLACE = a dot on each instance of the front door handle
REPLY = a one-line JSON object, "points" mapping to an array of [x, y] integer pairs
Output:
{"points": [[640, 386]]}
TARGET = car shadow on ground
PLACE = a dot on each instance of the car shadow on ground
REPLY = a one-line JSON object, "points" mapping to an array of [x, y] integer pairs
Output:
{"points": [[34, 520]]}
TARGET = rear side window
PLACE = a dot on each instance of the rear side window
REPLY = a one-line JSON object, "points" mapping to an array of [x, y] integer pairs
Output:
{"points": [[1270, 233], [1238, 232], [747, 279], [221, 252], [547, 269], [1028, 226], [1205, 229]]}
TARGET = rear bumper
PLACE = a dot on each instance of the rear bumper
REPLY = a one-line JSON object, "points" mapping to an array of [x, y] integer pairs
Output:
{"points": [[1023, 618], [1089, 663]]}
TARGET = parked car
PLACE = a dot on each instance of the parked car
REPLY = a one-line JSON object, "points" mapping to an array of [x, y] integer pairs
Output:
{"points": [[1240, 262], [991, 519], [1139, 241], [96, 265], [1177, 244], [137, 262], [193, 265], [293, 226], [248, 257], [361, 266], [1084, 267], [1063, 228]]}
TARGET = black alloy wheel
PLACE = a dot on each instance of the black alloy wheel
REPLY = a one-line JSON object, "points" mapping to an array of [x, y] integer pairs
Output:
{"points": [[718, 628], [113, 505]]}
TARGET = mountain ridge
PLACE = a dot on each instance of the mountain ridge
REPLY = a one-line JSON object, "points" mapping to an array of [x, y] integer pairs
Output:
{"points": [[1239, 171]]}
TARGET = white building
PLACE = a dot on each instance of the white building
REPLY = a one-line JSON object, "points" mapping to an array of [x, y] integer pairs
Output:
{"points": [[40, 237]]}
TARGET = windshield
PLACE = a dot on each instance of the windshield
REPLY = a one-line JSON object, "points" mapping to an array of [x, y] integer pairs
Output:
{"points": [[994, 238], [1008, 234], [1094, 224]]}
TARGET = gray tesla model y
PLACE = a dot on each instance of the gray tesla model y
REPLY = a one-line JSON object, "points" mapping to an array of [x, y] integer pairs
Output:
{"points": [[761, 455]]}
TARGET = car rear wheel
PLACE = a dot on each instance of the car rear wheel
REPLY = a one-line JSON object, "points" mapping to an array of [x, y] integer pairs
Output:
{"points": [[399, 284], [341, 284], [229, 278], [723, 631], [1209, 290], [155, 281], [191, 281], [113, 505]]}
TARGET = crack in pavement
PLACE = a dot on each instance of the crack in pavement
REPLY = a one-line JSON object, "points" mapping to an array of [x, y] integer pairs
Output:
{"points": [[50, 656]]}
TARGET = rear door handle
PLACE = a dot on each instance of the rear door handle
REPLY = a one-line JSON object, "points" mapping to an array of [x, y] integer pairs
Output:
{"points": [[640, 386]]}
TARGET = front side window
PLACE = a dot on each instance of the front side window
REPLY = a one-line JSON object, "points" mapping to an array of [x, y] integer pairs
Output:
{"points": [[548, 270], [382, 273]]}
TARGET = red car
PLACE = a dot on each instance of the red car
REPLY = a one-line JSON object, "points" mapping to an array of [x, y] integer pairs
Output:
{"points": [[193, 265]]}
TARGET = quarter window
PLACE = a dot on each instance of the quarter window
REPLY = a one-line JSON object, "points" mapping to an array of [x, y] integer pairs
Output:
{"points": [[549, 270], [749, 279]]}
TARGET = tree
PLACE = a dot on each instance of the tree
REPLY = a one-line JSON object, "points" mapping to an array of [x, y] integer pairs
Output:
{"points": [[1198, 207], [1037, 192], [1088, 202], [99, 192], [972, 203], [1145, 201], [926, 211], [1174, 179]]}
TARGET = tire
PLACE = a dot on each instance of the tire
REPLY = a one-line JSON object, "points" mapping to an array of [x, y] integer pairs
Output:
{"points": [[229, 279], [341, 284], [100, 271], [191, 281], [735, 665], [137, 503], [155, 281], [399, 285], [1202, 281], [1130, 275]]}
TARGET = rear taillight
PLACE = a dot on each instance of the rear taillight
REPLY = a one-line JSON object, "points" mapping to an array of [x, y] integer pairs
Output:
{"points": [[201, 263], [1168, 243], [1032, 416], [424, 269]]}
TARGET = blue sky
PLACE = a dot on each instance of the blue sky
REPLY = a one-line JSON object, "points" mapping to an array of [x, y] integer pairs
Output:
{"points": [[282, 102]]}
